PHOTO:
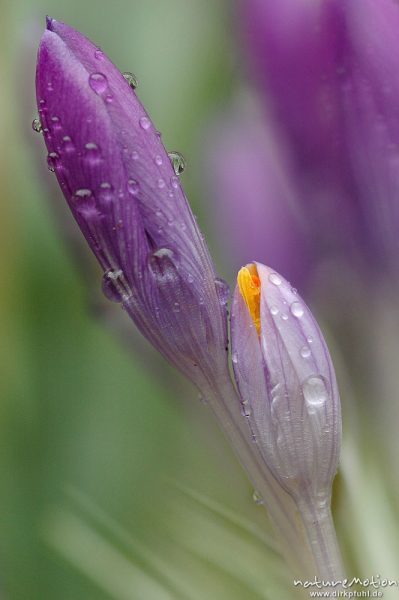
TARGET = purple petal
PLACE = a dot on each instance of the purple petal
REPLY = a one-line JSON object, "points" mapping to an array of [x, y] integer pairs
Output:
{"points": [[287, 384], [122, 190], [253, 194]]}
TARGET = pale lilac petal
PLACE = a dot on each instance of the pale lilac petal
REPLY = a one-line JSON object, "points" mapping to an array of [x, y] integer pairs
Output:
{"points": [[287, 385]]}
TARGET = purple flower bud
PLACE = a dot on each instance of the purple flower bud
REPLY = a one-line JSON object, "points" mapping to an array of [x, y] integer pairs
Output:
{"points": [[127, 199], [287, 384]]}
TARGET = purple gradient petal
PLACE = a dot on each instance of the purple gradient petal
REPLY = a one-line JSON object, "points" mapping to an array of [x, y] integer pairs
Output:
{"points": [[253, 194], [329, 71], [122, 190], [288, 388]]}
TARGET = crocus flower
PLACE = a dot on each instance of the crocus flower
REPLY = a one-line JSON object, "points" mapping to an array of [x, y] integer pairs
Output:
{"points": [[123, 190], [127, 199], [328, 74], [290, 397]]}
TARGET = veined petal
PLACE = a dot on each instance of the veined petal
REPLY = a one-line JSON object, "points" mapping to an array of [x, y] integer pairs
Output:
{"points": [[288, 388], [125, 196]]}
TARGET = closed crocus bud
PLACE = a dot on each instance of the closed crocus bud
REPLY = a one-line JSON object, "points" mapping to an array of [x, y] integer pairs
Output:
{"points": [[290, 398], [125, 194]]}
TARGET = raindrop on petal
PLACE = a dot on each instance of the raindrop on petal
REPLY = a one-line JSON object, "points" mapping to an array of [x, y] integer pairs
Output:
{"points": [[297, 309], [178, 162], [98, 83], [275, 279], [145, 123], [131, 79], [305, 352], [36, 125], [52, 161]]}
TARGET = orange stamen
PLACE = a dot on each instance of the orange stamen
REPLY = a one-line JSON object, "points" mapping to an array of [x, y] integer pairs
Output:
{"points": [[249, 286]]}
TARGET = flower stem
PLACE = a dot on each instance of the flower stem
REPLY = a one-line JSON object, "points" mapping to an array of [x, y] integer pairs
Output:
{"points": [[280, 506], [320, 532]]}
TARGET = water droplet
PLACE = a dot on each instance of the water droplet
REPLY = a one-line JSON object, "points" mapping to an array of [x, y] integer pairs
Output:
{"points": [[234, 358], [161, 183], [92, 153], [178, 162], [99, 54], [315, 391], [52, 161], [98, 83], [176, 307], [133, 187], [135, 155], [284, 317], [310, 340], [305, 352], [190, 278], [158, 160], [145, 123], [36, 125], [275, 279], [274, 310], [162, 265], [131, 79], [223, 290], [109, 98], [174, 182], [111, 285], [257, 498], [297, 309], [83, 193], [55, 124], [105, 194], [67, 145]]}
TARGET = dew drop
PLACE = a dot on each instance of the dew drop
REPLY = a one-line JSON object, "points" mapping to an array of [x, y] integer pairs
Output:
{"points": [[275, 279], [178, 162], [176, 307], [161, 183], [99, 54], [297, 309], [305, 352], [257, 498], [145, 123], [135, 155], [36, 125], [315, 391], [67, 145], [133, 187], [92, 153], [274, 310], [111, 285], [158, 160], [131, 79], [162, 265], [223, 290], [234, 358], [109, 98], [310, 340], [284, 317], [174, 182], [55, 124], [105, 194], [98, 83], [52, 161]]}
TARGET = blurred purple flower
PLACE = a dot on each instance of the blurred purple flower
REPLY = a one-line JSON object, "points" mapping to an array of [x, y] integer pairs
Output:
{"points": [[253, 193], [328, 72], [126, 198]]}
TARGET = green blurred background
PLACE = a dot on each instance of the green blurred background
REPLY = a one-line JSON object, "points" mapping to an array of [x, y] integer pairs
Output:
{"points": [[115, 481]]}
